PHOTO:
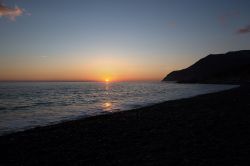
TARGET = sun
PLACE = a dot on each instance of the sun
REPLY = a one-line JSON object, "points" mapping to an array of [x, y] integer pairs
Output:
{"points": [[107, 80]]}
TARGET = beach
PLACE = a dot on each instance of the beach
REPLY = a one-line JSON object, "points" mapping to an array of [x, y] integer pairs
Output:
{"points": [[210, 129]]}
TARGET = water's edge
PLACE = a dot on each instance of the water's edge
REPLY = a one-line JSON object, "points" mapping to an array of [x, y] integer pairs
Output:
{"points": [[79, 118]]}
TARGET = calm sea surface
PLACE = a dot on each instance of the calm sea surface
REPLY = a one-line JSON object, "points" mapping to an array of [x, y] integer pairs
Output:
{"points": [[26, 105]]}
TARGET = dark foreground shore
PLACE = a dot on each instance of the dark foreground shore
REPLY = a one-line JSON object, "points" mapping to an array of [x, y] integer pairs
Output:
{"points": [[212, 129]]}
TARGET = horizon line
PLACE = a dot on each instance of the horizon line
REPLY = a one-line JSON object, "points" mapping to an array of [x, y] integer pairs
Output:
{"points": [[13, 81]]}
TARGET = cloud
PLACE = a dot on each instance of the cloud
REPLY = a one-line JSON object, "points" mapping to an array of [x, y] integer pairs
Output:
{"points": [[244, 30], [10, 13]]}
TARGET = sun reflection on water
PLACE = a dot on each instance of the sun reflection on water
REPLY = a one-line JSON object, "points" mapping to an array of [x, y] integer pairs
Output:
{"points": [[106, 86], [107, 106]]}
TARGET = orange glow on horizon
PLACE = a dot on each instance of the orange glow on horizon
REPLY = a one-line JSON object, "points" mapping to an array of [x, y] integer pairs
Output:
{"points": [[96, 68]]}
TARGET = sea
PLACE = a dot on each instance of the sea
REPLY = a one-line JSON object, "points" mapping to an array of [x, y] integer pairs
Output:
{"points": [[25, 105]]}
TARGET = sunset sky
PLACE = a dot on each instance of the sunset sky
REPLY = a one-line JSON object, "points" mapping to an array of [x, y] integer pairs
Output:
{"points": [[119, 40]]}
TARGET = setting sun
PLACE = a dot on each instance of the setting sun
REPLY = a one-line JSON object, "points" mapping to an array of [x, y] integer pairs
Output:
{"points": [[106, 79]]}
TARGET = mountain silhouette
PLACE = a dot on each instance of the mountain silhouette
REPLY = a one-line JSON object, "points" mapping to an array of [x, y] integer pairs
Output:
{"points": [[232, 67]]}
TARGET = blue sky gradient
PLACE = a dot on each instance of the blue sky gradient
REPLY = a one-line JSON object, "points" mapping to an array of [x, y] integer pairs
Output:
{"points": [[161, 35]]}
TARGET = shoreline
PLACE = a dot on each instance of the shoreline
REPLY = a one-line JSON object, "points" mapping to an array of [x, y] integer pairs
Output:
{"points": [[110, 113], [163, 133]]}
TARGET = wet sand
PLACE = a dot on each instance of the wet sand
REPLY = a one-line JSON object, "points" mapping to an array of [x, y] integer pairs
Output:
{"points": [[211, 129]]}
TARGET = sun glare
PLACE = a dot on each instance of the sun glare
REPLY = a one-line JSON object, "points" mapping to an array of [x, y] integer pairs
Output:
{"points": [[106, 79]]}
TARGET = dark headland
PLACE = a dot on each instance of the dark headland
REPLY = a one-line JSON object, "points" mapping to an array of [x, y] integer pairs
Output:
{"points": [[232, 67], [211, 129]]}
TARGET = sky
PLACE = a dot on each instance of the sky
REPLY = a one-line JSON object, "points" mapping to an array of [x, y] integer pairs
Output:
{"points": [[119, 40]]}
